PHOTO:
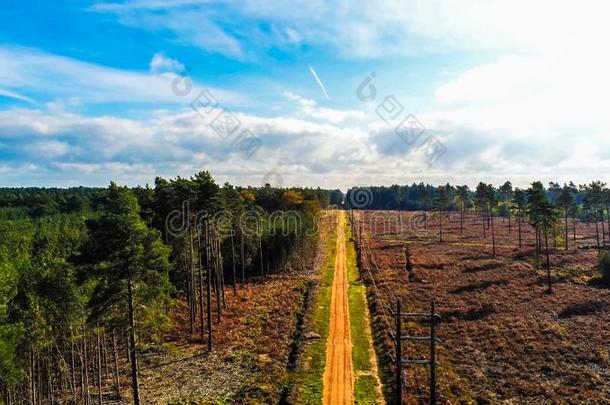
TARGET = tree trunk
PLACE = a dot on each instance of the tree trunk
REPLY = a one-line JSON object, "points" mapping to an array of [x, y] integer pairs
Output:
{"points": [[209, 277], [597, 228], [537, 246], [566, 228], [191, 287], [189, 300], [493, 234], [117, 377], [608, 218], [233, 263], [440, 225], [603, 226], [86, 368], [260, 248], [133, 356], [519, 225], [104, 353], [99, 369], [200, 261], [548, 260], [72, 368], [462, 220], [32, 377], [222, 273], [243, 259], [217, 282]]}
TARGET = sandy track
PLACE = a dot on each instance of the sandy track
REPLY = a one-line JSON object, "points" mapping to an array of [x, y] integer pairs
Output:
{"points": [[338, 374]]}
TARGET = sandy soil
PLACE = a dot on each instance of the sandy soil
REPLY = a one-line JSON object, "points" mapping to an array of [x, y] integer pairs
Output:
{"points": [[338, 374]]}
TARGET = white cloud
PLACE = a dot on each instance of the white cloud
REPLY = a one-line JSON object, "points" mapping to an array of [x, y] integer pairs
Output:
{"points": [[375, 28], [162, 64], [65, 148], [34, 71], [309, 109]]}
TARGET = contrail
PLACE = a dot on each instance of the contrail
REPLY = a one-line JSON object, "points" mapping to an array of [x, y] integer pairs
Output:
{"points": [[317, 79]]}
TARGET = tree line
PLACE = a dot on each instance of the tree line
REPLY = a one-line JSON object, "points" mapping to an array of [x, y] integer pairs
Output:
{"points": [[89, 276]]}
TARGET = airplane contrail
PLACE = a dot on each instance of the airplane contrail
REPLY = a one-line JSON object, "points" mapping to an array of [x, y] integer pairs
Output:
{"points": [[317, 79]]}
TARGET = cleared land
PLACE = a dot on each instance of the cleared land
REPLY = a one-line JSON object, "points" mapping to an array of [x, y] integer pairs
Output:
{"points": [[338, 375], [503, 337]]}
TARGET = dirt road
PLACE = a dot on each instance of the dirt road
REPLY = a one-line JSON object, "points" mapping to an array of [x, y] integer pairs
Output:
{"points": [[338, 374]]}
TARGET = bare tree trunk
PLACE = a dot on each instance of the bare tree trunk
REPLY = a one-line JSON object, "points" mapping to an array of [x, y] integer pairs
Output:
{"points": [[566, 227], [548, 260], [72, 368], [117, 377], [440, 225], [202, 324], [86, 368], [209, 277], [603, 226], [425, 222], [243, 259], [32, 377], [217, 280], [493, 235], [133, 357], [462, 219], [519, 225], [222, 273], [260, 248], [105, 354], [189, 300], [597, 228], [233, 263], [49, 367], [99, 368], [537, 246], [608, 218], [191, 287]]}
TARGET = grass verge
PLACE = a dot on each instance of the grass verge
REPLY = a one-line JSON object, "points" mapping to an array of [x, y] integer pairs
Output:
{"points": [[309, 375], [366, 390]]}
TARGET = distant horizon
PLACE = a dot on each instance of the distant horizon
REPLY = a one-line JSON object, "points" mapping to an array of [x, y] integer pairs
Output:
{"points": [[288, 186]]}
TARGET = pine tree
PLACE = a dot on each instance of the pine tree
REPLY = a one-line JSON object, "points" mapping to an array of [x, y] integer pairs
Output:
{"points": [[130, 266], [542, 217]]}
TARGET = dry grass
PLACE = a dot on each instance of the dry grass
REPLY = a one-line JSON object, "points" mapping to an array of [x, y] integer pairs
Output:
{"points": [[504, 338]]}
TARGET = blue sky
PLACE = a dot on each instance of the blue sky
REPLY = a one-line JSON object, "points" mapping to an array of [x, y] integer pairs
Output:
{"points": [[496, 90]]}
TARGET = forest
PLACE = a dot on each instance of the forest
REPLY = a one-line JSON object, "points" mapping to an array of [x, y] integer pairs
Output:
{"points": [[94, 279], [89, 276]]}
